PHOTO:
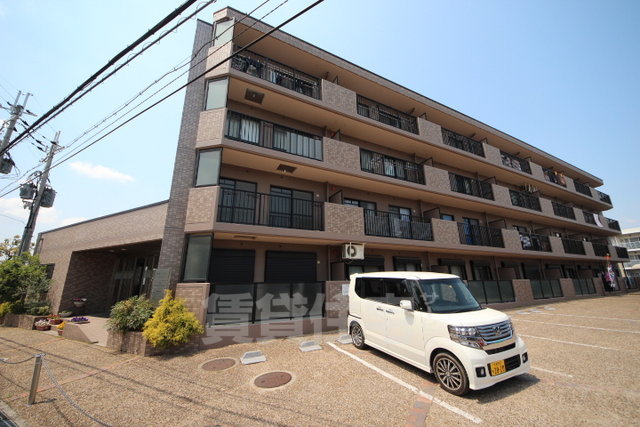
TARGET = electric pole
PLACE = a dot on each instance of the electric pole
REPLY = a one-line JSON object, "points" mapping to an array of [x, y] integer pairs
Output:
{"points": [[35, 205], [16, 112]]}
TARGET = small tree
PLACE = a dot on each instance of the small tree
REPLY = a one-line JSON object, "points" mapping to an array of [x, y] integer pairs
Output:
{"points": [[9, 248], [23, 280], [171, 323], [130, 314]]}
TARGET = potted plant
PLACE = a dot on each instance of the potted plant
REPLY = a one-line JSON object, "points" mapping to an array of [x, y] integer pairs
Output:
{"points": [[60, 328], [79, 319], [42, 325], [79, 302], [54, 319], [65, 313]]}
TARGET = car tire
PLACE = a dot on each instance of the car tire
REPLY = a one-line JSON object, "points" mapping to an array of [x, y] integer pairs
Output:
{"points": [[357, 336], [450, 374]]}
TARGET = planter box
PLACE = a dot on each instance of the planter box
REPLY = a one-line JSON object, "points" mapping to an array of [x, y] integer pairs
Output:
{"points": [[130, 342], [24, 321]]}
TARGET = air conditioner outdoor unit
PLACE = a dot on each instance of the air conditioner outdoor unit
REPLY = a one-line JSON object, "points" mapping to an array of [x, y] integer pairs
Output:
{"points": [[353, 251]]}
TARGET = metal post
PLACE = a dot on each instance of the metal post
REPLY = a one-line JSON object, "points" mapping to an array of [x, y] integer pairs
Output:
{"points": [[16, 112], [36, 379]]}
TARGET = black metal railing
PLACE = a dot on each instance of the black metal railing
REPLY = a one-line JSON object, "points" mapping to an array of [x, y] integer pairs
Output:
{"points": [[589, 218], [584, 286], [525, 200], [387, 115], [563, 210], [273, 136], [276, 72], [555, 177], [621, 252], [599, 249], [572, 246], [380, 164], [391, 224], [480, 235], [613, 224], [259, 302], [515, 162], [492, 291], [535, 242], [471, 186], [246, 207], [543, 289], [604, 197], [462, 142], [582, 188]]}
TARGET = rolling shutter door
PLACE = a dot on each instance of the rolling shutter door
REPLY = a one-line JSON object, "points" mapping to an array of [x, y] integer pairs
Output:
{"points": [[286, 267], [230, 266]]}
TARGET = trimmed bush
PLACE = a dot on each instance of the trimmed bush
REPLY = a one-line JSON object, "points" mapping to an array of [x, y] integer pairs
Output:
{"points": [[172, 324], [130, 314], [5, 308]]}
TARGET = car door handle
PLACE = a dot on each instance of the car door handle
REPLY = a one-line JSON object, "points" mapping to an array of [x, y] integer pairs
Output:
{"points": [[390, 311], [379, 309]]}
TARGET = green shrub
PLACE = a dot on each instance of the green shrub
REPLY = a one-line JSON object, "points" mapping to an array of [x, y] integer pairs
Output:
{"points": [[171, 324], [17, 307], [5, 308], [38, 310], [130, 314]]}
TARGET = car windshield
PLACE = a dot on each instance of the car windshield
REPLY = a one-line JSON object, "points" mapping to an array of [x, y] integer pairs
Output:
{"points": [[448, 296]]}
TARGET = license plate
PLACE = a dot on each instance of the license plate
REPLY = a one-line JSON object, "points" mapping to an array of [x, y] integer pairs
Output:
{"points": [[497, 368]]}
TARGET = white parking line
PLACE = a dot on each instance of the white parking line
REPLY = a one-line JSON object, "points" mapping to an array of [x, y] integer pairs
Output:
{"points": [[569, 342], [552, 372], [581, 327], [589, 317], [406, 385]]}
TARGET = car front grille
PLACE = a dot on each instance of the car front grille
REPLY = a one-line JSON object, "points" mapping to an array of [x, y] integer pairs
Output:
{"points": [[496, 331], [501, 349]]}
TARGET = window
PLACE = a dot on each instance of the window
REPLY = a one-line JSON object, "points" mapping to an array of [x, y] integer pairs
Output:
{"points": [[237, 201], [407, 264], [374, 289], [197, 256], [208, 167], [447, 217], [223, 32], [397, 290], [455, 266], [291, 208], [367, 265], [216, 94], [521, 229], [367, 206], [481, 270]]}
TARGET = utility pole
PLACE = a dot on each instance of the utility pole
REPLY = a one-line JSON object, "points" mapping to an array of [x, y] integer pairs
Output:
{"points": [[35, 205], [16, 112]]}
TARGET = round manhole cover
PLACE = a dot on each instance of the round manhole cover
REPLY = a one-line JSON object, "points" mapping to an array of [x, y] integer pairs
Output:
{"points": [[218, 364], [272, 379]]}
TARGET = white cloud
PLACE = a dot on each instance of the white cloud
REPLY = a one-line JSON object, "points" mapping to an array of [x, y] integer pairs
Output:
{"points": [[48, 218], [99, 172], [73, 220]]}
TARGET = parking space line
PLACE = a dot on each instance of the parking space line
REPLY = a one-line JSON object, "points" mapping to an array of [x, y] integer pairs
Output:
{"points": [[408, 386], [569, 342], [590, 317], [580, 326], [552, 372]]}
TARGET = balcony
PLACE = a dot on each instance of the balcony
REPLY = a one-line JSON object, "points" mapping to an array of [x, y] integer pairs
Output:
{"points": [[543, 289], [525, 200], [470, 186], [589, 218], [631, 245], [275, 72], [462, 142], [515, 162], [600, 250], [387, 115], [389, 224], [492, 291], [272, 136], [583, 188], [246, 207], [604, 197], [572, 246], [535, 242], [622, 252], [480, 235], [613, 224], [563, 210], [380, 164], [584, 286], [554, 177]]}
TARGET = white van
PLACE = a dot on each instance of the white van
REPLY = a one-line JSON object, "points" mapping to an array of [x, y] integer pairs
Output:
{"points": [[432, 321]]}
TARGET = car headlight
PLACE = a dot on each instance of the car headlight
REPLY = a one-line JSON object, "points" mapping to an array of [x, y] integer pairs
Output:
{"points": [[467, 336]]}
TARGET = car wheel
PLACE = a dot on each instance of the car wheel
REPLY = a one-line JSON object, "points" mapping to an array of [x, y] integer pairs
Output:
{"points": [[357, 336], [450, 374]]}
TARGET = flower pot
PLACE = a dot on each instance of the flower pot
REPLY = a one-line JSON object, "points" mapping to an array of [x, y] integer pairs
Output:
{"points": [[78, 304], [55, 321], [60, 332], [65, 314], [43, 328]]}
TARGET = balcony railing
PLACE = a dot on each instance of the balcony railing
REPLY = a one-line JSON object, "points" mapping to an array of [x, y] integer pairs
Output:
{"points": [[389, 224], [480, 235], [563, 210], [492, 291], [246, 207], [273, 136], [462, 142], [275, 72], [589, 218], [525, 200], [515, 162], [546, 289], [572, 246], [604, 197], [613, 224], [631, 245], [584, 286], [387, 115], [599, 249], [555, 177], [622, 252], [582, 188], [471, 186], [535, 242], [390, 166]]}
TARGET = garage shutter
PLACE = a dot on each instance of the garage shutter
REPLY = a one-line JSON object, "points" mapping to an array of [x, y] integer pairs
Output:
{"points": [[288, 267], [232, 266]]}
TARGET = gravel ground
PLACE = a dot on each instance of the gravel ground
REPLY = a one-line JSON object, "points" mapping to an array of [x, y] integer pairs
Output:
{"points": [[584, 357]]}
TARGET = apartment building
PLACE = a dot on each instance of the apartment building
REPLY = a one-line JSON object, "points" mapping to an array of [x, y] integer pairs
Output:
{"points": [[630, 240], [296, 168]]}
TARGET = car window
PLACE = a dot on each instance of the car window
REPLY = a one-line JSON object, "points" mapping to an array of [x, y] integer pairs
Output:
{"points": [[374, 289], [397, 290]]}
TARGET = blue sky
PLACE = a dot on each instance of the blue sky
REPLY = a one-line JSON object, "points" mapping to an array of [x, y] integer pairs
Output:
{"points": [[562, 76]]}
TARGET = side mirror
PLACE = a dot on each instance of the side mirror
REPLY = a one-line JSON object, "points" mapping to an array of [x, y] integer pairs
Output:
{"points": [[405, 304]]}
